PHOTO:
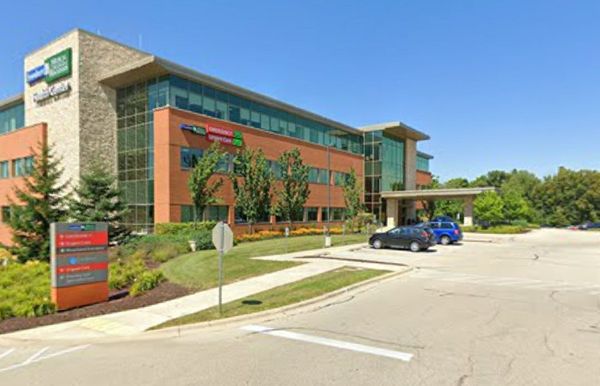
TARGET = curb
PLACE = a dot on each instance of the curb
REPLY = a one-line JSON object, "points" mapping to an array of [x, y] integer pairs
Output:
{"points": [[284, 309]]}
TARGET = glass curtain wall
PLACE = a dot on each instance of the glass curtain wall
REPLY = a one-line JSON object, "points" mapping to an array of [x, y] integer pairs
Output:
{"points": [[384, 169], [12, 118], [135, 148]]}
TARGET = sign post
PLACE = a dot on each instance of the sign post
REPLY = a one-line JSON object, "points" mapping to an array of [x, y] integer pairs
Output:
{"points": [[222, 238], [79, 262], [287, 234]]}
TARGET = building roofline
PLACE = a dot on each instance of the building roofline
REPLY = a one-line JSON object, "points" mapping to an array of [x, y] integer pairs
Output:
{"points": [[397, 128], [424, 155], [11, 101]]}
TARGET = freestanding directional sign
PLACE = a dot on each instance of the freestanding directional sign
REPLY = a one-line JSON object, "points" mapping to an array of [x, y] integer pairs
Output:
{"points": [[222, 238], [79, 259]]}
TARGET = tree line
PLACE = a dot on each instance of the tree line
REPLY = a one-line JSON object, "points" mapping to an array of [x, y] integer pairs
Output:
{"points": [[564, 198], [45, 198]]}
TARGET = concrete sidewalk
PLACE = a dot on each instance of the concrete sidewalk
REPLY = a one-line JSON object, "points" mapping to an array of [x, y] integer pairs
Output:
{"points": [[131, 322], [136, 321]]}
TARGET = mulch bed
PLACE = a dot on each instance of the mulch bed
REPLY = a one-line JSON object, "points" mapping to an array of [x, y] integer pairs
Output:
{"points": [[118, 301]]}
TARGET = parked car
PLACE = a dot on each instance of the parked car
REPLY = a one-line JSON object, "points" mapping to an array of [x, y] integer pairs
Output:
{"points": [[446, 232], [442, 219], [588, 225], [414, 238]]}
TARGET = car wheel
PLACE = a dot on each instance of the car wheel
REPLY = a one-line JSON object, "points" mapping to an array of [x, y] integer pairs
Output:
{"points": [[445, 240], [415, 247], [377, 244]]}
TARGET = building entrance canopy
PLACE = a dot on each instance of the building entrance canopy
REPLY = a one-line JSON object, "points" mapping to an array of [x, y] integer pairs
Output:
{"points": [[465, 194]]}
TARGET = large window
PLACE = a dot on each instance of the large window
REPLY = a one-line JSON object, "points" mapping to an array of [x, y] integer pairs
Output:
{"points": [[4, 169], [340, 178], [312, 213], [22, 166], [318, 176], [189, 157], [217, 213], [6, 212], [12, 118], [188, 95], [135, 147], [422, 163]]}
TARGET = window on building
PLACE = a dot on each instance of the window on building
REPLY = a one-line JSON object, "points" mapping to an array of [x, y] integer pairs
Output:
{"points": [[275, 169], [189, 157], [217, 213], [225, 164], [340, 178], [4, 169], [6, 212], [311, 213], [22, 166], [12, 118], [338, 214], [188, 213]]}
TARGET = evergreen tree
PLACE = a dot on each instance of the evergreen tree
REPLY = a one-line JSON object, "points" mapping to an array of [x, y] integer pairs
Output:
{"points": [[99, 199], [252, 181], [295, 189], [202, 192], [39, 203]]}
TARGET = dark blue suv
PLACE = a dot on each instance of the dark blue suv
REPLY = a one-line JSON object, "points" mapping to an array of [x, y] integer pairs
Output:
{"points": [[446, 232]]}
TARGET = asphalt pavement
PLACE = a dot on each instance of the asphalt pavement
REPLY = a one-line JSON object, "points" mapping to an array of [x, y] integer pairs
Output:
{"points": [[512, 310]]}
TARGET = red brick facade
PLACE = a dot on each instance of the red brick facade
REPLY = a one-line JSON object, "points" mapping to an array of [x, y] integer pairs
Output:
{"points": [[14, 145], [170, 181]]}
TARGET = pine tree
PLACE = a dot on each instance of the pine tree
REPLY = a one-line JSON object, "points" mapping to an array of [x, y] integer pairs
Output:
{"points": [[252, 181], [203, 193], [99, 199], [295, 189], [39, 203]]}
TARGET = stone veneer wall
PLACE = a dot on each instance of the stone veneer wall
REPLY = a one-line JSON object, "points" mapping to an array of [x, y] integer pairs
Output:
{"points": [[60, 113], [82, 124], [410, 164], [97, 102]]}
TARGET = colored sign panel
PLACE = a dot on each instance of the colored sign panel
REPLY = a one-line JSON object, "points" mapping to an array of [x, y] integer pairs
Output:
{"points": [[79, 253], [55, 67], [36, 74], [193, 128], [59, 65], [225, 136]]}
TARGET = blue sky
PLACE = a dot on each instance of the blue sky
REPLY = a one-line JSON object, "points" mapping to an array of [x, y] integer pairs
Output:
{"points": [[497, 84]]}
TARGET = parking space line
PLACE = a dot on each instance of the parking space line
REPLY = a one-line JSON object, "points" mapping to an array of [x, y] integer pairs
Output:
{"points": [[7, 353], [406, 357], [38, 357]]}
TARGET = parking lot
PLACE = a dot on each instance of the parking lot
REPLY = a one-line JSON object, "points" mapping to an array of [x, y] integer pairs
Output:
{"points": [[519, 310]]}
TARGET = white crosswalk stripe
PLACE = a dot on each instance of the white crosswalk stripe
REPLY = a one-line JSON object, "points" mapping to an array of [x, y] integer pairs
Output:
{"points": [[499, 281]]}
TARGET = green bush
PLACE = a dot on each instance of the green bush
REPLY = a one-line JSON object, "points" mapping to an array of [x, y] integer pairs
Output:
{"points": [[498, 229], [25, 290], [123, 273], [146, 282], [183, 228]]}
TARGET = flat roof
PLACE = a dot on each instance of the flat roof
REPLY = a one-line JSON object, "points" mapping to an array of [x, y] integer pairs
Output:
{"points": [[424, 155], [11, 101], [437, 193], [398, 129]]}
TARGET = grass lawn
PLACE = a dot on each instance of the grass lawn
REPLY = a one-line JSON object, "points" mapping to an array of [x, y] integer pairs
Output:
{"points": [[281, 296], [199, 270]]}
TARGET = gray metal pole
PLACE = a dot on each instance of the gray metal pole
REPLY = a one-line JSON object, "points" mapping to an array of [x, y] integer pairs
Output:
{"points": [[328, 189], [221, 268]]}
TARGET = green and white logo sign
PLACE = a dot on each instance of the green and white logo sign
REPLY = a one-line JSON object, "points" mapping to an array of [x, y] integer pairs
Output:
{"points": [[59, 65]]}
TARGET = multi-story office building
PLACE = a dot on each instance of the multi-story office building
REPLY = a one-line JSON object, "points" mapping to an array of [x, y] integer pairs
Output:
{"points": [[147, 119]]}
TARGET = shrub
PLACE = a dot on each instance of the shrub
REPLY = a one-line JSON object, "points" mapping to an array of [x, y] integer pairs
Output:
{"points": [[499, 229], [183, 228], [124, 273], [146, 282], [25, 290]]}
